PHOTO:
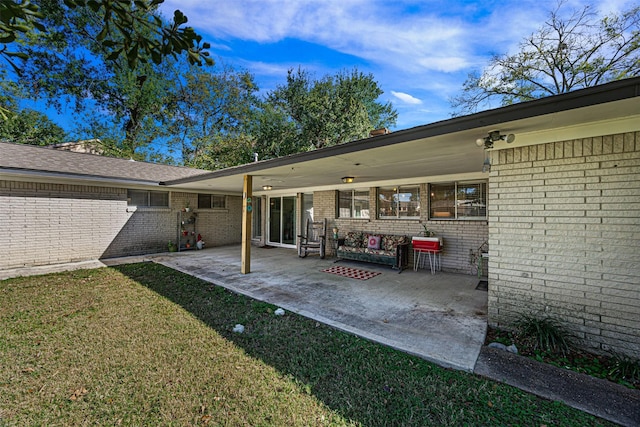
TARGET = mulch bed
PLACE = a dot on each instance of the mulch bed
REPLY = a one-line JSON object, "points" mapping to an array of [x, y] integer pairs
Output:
{"points": [[576, 360]]}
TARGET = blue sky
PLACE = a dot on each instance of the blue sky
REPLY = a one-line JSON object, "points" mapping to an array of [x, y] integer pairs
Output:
{"points": [[419, 51]]}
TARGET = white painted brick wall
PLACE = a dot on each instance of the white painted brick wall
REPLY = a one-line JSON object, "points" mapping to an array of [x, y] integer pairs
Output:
{"points": [[57, 223], [565, 237]]}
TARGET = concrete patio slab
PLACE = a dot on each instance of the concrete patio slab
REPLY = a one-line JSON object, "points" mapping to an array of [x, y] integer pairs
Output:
{"points": [[439, 317]]}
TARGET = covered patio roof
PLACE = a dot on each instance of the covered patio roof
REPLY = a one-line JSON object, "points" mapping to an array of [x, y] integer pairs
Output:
{"points": [[441, 149]]}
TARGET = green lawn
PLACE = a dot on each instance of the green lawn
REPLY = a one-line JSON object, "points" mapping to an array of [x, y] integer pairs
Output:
{"points": [[142, 344]]}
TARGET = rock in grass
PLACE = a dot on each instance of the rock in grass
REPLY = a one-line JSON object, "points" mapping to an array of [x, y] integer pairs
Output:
{"points": [[511, 349], [238, 328], [279, 312], [498, 345]]}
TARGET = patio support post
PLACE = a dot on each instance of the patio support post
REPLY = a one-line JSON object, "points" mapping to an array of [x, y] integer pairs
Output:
{"points": [[246, 224]]}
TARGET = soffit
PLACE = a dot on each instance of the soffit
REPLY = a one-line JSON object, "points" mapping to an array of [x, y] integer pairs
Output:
{"points": [[449, 154]]}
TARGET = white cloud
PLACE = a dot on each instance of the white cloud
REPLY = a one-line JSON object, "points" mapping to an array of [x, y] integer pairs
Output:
{"points": [[405, 97], [373, 30], [414, 35]]}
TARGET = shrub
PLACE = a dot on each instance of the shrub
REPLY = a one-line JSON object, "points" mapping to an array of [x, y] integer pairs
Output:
{"points": [[625, 369], [543, 333]]}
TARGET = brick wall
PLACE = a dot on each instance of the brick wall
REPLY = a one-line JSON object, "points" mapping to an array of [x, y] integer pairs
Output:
{"points": [[220, 227], [55, 223], [565, 237], [58, 223], [460, 237]]}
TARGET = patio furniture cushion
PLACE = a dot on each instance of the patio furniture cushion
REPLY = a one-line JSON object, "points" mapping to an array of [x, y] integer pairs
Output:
{"points": [[354, 239], [373, 241], [390, 249], [390, 242]]}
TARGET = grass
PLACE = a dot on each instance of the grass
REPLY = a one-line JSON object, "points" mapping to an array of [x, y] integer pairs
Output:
{"points": [[142, 344]]}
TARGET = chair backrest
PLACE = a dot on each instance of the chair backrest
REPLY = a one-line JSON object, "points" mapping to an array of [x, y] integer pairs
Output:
{"points": [[316, 230]]}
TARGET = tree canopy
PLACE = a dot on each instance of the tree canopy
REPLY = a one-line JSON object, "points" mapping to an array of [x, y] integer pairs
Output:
{"points": [[220, 121], [570, 51], [209, 116], [115, 67], [31, 127], [78, 63], [124, 35], [128, 29], [332, 110]]}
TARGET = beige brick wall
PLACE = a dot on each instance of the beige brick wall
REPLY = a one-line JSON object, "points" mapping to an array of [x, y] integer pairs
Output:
{"points": [[460, 237], [565, 237], [220, 227], [57, 223], [54, 223]]}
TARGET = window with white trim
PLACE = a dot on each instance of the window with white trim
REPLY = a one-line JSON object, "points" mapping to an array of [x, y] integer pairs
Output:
{"points": [[401, 202], [353, 204], [212, 201], [458, 200], [146, 198]]}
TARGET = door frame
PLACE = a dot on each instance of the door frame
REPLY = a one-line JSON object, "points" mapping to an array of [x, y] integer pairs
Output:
{"points": [[267, 213]]}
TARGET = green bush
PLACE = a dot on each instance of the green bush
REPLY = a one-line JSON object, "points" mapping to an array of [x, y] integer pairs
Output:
{"points": [[543, 333], [625, 369]]}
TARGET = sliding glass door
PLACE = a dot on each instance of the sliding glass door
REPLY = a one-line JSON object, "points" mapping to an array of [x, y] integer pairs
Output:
{"points": [[282, 220]]}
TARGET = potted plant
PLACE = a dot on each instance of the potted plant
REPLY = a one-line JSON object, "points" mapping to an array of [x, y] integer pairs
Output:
{"points": [[426, 235], [186, 207], [172, 246]]}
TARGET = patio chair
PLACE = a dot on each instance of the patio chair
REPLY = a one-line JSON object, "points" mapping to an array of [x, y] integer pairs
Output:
{"points": [[314, 239]]}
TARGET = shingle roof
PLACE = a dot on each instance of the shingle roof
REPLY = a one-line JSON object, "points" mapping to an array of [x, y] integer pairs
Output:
{"points": [[30, 158]]}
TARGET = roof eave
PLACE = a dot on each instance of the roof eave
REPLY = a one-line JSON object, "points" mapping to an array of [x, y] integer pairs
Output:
{"points": [[610, 92], [14, 172]]}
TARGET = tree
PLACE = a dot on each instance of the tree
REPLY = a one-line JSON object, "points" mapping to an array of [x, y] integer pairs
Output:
{"points": [[210, 114], [275, 134], [129, 29], [565, 54], [128, 110], [31, 127], [122, 32], [330, 111], [24, 126], [68, 65]]}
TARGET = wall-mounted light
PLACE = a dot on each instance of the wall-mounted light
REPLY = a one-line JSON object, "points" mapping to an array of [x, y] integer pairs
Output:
{"points": [[486, 166], [347, 179], [494, 136], [267, 187]]}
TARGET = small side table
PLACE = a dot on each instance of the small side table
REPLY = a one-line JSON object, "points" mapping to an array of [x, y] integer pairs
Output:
{"points": [[435, 260]]}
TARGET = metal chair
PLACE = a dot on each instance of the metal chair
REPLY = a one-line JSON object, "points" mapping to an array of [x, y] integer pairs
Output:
{"points": [[314, 239]]}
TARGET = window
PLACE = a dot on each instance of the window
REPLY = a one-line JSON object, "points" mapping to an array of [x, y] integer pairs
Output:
{"points": [[211, 201], [148, 198], [399, 202], [458, 200], [353, 204]]}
